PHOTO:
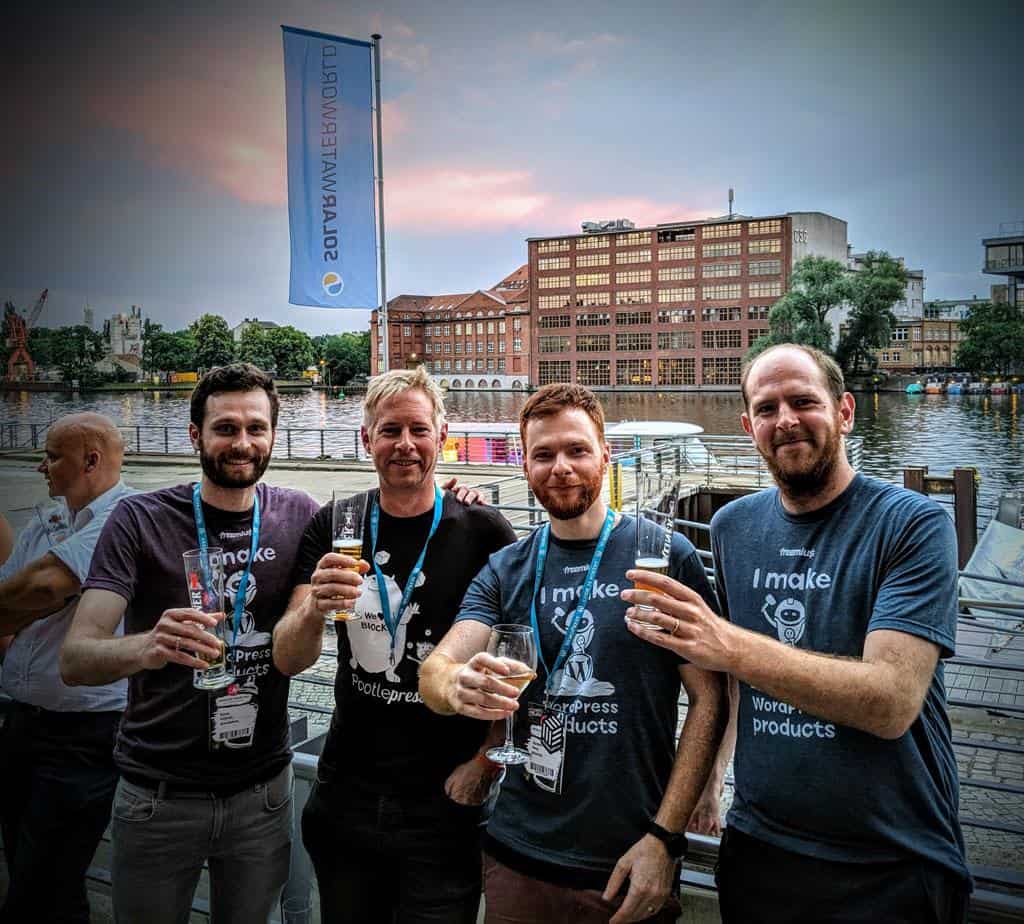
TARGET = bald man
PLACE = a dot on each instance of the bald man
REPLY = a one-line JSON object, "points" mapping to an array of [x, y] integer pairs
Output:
{"points": [[57, 775]]}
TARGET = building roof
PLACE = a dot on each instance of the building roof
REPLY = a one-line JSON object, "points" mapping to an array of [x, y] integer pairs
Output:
{"points": [[512, 290]]}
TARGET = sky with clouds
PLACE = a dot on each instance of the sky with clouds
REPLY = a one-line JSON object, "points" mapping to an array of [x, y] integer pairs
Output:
{"points": [[144, 152]]}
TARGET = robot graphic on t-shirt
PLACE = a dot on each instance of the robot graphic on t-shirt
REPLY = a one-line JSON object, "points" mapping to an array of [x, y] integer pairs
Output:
{"points": [[787, 618], [576, 676]]}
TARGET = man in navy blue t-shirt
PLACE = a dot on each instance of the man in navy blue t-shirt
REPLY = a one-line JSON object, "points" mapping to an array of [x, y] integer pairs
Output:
{"points": [[838, 595]]}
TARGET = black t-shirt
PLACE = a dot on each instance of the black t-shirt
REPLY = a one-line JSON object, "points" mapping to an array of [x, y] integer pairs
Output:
{"points": [[381, 735], [172, 731]]}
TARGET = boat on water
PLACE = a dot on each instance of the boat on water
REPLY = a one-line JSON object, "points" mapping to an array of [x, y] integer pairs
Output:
{"points": [[955, 388], [915, 388], [977, 388], [1001, 388], [934, 388]]}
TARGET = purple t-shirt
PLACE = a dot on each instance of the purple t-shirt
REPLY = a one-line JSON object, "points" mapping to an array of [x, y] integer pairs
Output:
{"points": [[172, 731]]}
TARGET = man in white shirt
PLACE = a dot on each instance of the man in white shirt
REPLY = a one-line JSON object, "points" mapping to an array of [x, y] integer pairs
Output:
{"points": [[57, 774]]}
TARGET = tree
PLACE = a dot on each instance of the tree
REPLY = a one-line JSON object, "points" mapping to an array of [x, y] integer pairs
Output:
{"points": [[347, 355], [214, 344], [292, 350], [76, 350], [875, 288], [164, 351], [817, 286], [993, 339], [255, 348]]}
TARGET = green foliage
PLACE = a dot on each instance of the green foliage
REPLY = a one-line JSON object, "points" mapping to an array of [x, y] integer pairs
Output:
{"points": [[75, 350], [292, 351], [347, 355], [878, 285], [163, 351], [255, 348], [993, 339], [214, 344], [817, 286], [40, 345]]}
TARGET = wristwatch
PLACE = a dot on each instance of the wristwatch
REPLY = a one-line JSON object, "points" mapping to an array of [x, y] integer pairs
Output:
{"points": [[675, 844]]}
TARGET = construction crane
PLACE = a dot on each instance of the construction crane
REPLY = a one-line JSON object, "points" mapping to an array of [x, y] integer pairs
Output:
{"points": [[20, 367]]}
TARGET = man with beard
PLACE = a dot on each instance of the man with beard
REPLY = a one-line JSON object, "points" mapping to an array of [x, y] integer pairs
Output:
{"points": [[839, 601], [205, 776], [57, 773], [392, 822], [605, 794]]}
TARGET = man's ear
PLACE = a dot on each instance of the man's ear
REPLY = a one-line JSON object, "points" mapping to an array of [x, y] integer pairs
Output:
{"points": [[365, 437], [194, 436], [748, 428], [92, 459]]}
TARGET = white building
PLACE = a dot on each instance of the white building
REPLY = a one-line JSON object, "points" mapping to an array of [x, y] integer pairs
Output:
{"points": [[908, 308], [123, 333], [242, 326]]}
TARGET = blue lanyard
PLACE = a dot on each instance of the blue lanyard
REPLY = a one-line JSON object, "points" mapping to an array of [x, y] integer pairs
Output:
{"points": [[197, 509], [410, 585], [584, 597]]}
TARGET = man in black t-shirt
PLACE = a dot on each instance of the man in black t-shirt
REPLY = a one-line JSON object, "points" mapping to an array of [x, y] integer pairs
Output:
{"points": [[205, 776], [391, 824]]}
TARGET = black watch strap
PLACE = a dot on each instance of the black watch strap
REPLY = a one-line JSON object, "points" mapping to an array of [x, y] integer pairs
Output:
{"points": [[675, 844]]}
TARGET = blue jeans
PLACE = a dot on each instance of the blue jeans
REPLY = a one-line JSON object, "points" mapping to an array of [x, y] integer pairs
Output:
{"points": [[392, 859], [57, 779], [162, 837]]}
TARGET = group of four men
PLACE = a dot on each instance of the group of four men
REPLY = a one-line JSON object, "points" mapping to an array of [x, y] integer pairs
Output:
{"points": [[838, 595]]}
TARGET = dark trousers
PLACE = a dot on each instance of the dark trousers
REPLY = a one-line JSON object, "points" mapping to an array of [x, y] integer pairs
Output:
{"points": [[392, 860], [57, 780], [758, 882]]}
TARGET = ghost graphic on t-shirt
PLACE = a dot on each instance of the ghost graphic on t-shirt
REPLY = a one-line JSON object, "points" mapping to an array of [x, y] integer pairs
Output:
{"points": [[368, 634], [576, 676]]}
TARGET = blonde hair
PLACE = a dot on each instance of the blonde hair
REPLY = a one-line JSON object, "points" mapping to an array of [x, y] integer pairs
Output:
{"points": [[395, 382]]}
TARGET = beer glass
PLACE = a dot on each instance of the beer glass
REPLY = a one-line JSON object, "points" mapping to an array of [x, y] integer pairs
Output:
{"points": [[653, 539], [514, 645], [204, 575], [347, 516]]}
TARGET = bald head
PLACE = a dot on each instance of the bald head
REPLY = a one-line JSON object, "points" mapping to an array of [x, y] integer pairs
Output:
{"points": [[83, 457]]}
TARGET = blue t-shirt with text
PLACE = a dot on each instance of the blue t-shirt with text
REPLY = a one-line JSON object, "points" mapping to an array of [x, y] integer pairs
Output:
{"points": [[877, 557]]}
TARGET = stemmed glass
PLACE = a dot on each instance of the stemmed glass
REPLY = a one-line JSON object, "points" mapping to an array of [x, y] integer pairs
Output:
{"points": [[515, 646], [653, 543], [347, 516]]}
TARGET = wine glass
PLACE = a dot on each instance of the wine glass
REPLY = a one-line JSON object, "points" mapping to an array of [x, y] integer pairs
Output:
{"points": [[515, 646], [653, 542]]}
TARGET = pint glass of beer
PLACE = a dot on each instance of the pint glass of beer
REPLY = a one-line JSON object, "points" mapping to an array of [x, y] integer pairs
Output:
{"points": [[347, 516], [656, 500], [204, 575]]}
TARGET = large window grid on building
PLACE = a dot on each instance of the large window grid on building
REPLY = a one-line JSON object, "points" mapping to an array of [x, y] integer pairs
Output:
{"points": [[551, 321], [633, 256], [552, 370], [552, 344], [633, 342], [769, 226], [632, 318], [593, 243], [677, 315], [553, 282], [593, 343], [632, 277], [670, 235], [553, 246], [755, 333], [758, 312], [553, 263], [773, 245], [633, 372], [633, 297], [677, 252], [764, 268], [720, 291], [732, 313], [713, 232], [592, 279], [680, 294], [675, 340], [732, 249], [676, 273], [682, 371], [592, 259], [593, 299], [764, 289], [721, 339], [593, 372], [721, 370], [594, 319], [632, 238], [720, 270]]}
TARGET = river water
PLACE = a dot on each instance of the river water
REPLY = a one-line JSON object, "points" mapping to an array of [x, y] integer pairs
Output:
{"points": [[939, 431]]}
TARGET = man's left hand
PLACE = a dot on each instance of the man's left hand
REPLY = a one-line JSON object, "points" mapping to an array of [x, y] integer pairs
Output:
{"points": [[469, 783], [464, 494], [649, 869]]}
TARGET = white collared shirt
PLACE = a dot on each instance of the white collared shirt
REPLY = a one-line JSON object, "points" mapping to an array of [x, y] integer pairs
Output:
{"points": [[31, 668]]}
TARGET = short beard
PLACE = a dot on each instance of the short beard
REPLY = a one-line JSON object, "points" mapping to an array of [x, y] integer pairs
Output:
{"points": [[568, 511], [214, 468], [812, 480]]}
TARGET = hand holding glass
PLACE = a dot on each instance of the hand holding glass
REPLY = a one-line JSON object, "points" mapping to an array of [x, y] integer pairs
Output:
{"points": [[347, 516], [514, 645], [204, 576], [653, 542]]}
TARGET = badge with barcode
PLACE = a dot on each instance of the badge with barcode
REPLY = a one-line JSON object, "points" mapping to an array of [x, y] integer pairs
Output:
{"points": [[233, 716], [546, 747]]}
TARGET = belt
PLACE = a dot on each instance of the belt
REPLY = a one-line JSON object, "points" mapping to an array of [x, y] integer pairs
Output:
{"points": [[163, 789]]}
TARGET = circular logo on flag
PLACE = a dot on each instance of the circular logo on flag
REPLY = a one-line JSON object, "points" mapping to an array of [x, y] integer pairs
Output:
{"points": [[333, 283]]}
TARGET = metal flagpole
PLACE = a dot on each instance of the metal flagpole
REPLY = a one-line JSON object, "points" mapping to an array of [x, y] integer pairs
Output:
{"points": [[382, 315]]}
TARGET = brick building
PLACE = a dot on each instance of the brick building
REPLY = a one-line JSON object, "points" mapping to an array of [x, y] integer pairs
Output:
{"points": [[671, 307], [471, 340]]}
